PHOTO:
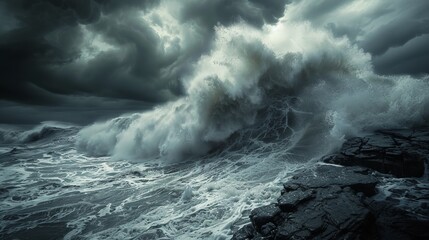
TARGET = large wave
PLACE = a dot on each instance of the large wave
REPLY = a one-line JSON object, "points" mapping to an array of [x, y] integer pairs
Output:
{"points": [[43, 131], [316, 81]]}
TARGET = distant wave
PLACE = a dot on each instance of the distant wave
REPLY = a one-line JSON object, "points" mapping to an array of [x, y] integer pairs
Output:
{"points": [[320, 81], [40, 132]]}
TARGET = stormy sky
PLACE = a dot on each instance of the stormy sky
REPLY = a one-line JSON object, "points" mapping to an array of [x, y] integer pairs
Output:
{"points": [[85, 60]]}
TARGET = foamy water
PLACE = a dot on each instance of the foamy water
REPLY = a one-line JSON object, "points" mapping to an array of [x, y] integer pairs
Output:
{"points": [[50, 189]]}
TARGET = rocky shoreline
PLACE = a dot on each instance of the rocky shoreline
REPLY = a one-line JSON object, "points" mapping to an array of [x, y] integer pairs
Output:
{"points": [[375, 187]]}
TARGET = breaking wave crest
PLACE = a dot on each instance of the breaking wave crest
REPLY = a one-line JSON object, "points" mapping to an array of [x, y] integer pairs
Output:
{"points": [[286, 81], [40, 132]]}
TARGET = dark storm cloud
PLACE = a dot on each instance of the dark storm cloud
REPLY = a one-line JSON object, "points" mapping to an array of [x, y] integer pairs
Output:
{"points": [[255, 12], [400, 45], [51, 49], [412, 57], [38, 55], [386, 29], [399, 31], [317, 10]]}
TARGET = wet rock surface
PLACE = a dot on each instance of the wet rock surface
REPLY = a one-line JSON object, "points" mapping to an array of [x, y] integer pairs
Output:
{"points": [[376, 187], [401, 153]]}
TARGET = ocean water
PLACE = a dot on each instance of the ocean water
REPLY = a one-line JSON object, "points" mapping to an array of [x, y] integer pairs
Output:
{"points": [[50, 190], [258, 105]]}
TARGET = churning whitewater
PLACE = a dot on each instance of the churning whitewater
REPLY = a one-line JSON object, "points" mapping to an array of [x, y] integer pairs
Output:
{"points": [[245, 71], [259, 104]]}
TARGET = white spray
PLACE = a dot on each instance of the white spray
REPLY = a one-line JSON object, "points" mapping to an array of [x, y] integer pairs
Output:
{"points": [[247, 68]]}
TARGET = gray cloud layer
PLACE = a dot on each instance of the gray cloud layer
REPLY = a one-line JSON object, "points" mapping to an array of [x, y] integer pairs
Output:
{"points": [[393, 31], [116, 56]]}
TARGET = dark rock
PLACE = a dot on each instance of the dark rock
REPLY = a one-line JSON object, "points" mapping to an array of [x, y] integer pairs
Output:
{"points": [[263, 215], [395, 223], [290, 200], [396, 152], [268, 229], [298, 235], [290, 187], [341, 202], [317, 202], [356, 178], [336, 208], [287, 231], [244, 233], [339, 216]]}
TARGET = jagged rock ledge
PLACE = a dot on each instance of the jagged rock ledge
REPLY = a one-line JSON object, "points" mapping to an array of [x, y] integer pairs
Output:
{"points": [[375, 187]]}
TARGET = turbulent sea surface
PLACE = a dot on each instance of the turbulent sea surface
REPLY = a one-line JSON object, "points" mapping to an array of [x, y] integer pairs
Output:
{"points": [[50, 190], [260, 104]]}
